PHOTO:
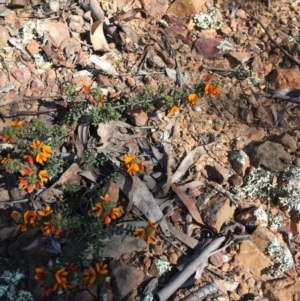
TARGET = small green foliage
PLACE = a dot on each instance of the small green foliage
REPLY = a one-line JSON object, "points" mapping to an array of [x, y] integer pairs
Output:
{"points": [[56, 164], [76, 111], [93, 158], [71, 188]]}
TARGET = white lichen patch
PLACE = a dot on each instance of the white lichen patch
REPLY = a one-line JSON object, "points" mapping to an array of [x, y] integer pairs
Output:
{"points": [[257, 184], [239, 156], [31, 31], [209, 19], [282, 256], [162, 266], [261, 215], [275, 222], [225, 46]]}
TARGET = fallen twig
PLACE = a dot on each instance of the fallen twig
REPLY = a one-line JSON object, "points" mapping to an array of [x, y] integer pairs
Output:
{"points": [[202, 292]]}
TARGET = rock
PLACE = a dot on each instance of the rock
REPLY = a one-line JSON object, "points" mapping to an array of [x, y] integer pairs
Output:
{"points": [[244, 288], [37, 86], [156, 8], [253, 259], [221, 173], [261, 113], [217, 212], [124, 278], [207, 47], [83, 296], [217, 259], [183, 8], [234, 296], [33, 47], [3, 79], [4, 36], [173, 258], [247, 115], [225, 29], [236, 180], [22, 75], [272, 156], [58, 31], [256, 64], [240, 57], [288, 141], [240, 162], [138, 117], [241, 14], [282, 289]]}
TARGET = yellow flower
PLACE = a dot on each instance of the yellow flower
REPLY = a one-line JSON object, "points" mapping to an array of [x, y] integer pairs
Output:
{"points": [[6, 160], [174, 110], [41, 158], [30, 217], [47, 151], [97, 209], [43, 175], [46, 210], [132, 169], [16, 124], [105, 198], [139, 233], [36, 144], [61, 276], [89, 276], [48, 228], [193, 99], [128, 158], [101, 268], [114, 213], [106, 220], [151, 238]]}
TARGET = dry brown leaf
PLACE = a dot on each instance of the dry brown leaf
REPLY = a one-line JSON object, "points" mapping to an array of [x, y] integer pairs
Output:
{"points": [[189, 203], [97, 37]]}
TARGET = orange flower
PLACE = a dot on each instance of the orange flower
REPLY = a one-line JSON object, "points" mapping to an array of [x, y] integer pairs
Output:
{"points": [[23, 182], [14, 214], [86, 89], [30, 217], [38, 185], [132, 169], [57, 231], [36, 144], [91, 100], [16, 124], [40, 274], [193, 99], [97, 209], [215, 92], [48, 228], [89, 276], [29, 159], [22, 227], [114, 213], [29, 188], [47, 150], [41, 158], [26, 171], [128, 158], [151, 238], [101, 268], [206, 78], [61, 276], [105, 198], [174, 110], [46, 210], [152, 225], [43, 176], [139, 233], [100, 100], [106, 220], [208, 89], [6, 160], [141, 166]]}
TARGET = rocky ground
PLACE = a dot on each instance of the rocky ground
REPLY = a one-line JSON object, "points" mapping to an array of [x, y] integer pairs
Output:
{"points": [[221, 174]]}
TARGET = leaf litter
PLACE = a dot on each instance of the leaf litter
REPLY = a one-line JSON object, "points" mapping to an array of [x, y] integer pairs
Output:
{"points": [[119, 190]]}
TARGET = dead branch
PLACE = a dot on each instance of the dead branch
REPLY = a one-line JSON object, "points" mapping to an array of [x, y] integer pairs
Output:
{"points": [[198, 263], [202, 292]]}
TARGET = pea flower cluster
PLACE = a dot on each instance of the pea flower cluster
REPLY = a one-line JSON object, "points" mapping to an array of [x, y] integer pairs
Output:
{"points": [[147, 233], [132, 164]]}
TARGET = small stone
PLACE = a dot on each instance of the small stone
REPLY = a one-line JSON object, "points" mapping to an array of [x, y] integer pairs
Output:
{"points": [[288, 141], [241, 57], [234, 296], [124, 278], [225, 29], [37, 86], [138, 117], [3, 79], [236, 180], [261, 113], [244, 288], [22, 75], [4, 36], [241, 14], [250, 282], [156, 8], [221, 173], [130, 82], [256, 64], [58, 31], [225, 267], [173, 258], [54, 6], [157, 249], [240, 162], [217, 259], [33, 47]]}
